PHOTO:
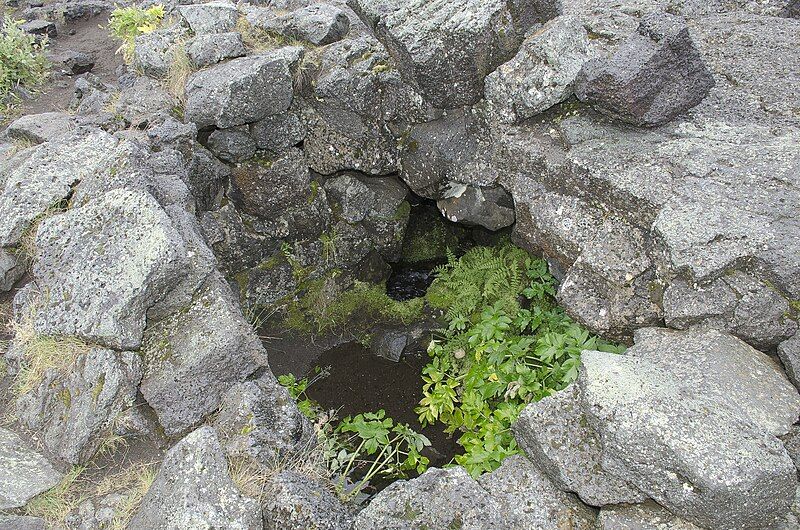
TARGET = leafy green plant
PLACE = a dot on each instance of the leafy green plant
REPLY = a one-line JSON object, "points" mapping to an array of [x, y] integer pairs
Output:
{"points": [[127, 23], [22, 61], [359, 449], [506, 344]]}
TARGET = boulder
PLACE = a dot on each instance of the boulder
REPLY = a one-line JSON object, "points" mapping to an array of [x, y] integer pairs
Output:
{"points": [[491, 207], [24, 473], [541, 74], [194, 356], [318, 24], [208, 49], [154, 51], [38, 128], [389, 344], [259, 419], [294, 500], [267, 187], [103, 265], [75, 62], [40, 28], [45, 178], [724, 370], [691, 454], [21, 522], [193, 489], [356, 95], [654, 76], [647, 516], [357, 198], [555, 435], [439, 498], [446, 49], [530, 500], [440, 157], [232, 145], [210, 17], [278, 132], [789, 354], [75, 411], [242, 90]]}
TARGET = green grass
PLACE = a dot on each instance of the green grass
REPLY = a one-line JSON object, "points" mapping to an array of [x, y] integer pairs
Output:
{"points": [[55, 504], [22, 63]]}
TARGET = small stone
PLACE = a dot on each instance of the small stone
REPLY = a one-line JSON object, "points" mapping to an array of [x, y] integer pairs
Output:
{"points": [[24, 473], [43, 28]]}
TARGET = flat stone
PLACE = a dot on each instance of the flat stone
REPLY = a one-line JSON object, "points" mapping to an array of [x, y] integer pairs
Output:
{"points": [[647, 516], [210, 17], [38, 128], [208, 49], [24, 473]]}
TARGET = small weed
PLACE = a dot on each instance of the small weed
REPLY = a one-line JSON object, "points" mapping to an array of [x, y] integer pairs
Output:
{"points": [[22, 63], [55, 504], [180, 68], [127, 23], [133, 484], [329, 247]]}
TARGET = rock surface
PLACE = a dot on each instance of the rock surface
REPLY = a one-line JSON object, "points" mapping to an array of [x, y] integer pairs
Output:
{"points": [[24, 473], [298, 501], [193, 489], [38, 128]]}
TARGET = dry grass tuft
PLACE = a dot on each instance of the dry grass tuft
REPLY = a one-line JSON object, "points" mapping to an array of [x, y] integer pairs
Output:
{"points": [[180, 68], [259, 39], [133, 484], [55, 504]]}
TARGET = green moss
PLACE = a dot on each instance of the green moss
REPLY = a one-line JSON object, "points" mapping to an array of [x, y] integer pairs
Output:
{"points": [[429, 243], [242, 279], [314, 192], [97, 389], [65, 397], [380, 67]]}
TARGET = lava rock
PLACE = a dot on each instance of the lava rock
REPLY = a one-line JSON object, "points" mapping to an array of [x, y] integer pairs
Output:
{"points": [[210, 17], [278, 132], [232, 145], [21, 522], [555, 435], [154, 51], [439, 498], [24, 473], [195, 355], [491, 208], [647, 516], [789, 353], [295, 500], [446, 49], [193, 488], [104, 265], [696, 457], [259, 419], [389, 344], [654, 76], [541, 74], [12, 268], [530, 500], [318, 24], [77, 62], [75, 410], [242, 90], [41, 28], [205, 50]]}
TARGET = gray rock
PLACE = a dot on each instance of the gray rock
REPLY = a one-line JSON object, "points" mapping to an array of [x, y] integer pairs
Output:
{"points": [[12, 268], [724, 370], [446, 49], [444, 155], [294, 500], [154, 51], [358, 198], [541, 74], [144, 104], [698, 459], [318, 24], [74, 411], [278, 132], [193, 489], [42, 28], [555, 435], [38, 128], [195, 355], [265, 188], [24, 473], [242, 90], [491, 208], [789, 353], [21, 522], [647, 516], [210, 17], [530, 500], [654, 76], [439, 498], [357, 92], [75, 62], [45, 178], [389, 344], [232, 145], [791, 441], [103, 265], [258, 418], [208, 49]]}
